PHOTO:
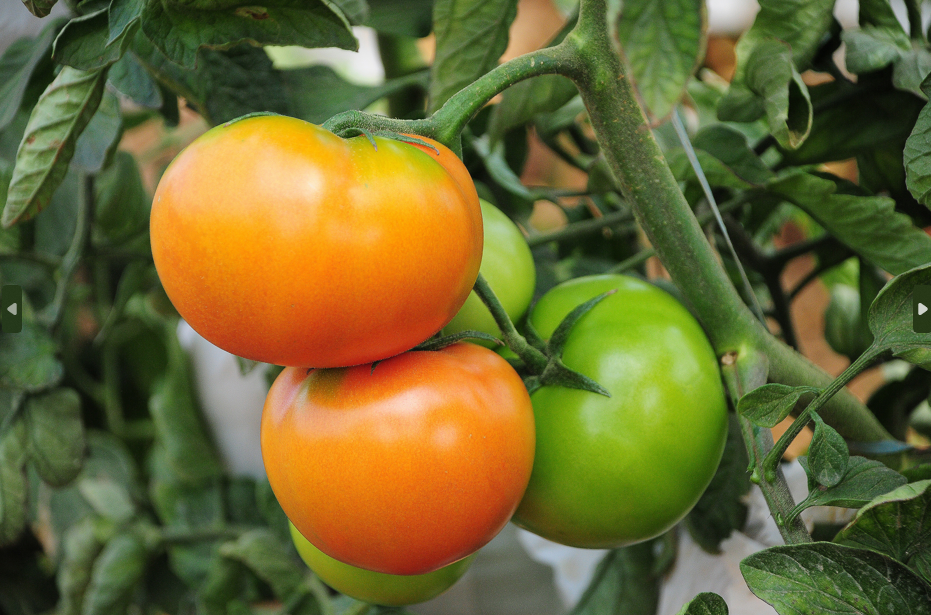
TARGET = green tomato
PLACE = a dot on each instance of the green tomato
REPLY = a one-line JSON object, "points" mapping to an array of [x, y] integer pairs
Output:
{"points": [[615, 471], [507, 265], [378, 587]]}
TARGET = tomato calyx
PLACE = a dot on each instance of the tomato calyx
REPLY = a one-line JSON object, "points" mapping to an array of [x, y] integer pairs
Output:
{"points": [[355, 131], [542, 359], [556, 373]]}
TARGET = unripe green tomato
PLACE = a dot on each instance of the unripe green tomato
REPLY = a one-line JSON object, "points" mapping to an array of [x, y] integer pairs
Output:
{"points": [[507, 265], [615, 471], [378, 587]]}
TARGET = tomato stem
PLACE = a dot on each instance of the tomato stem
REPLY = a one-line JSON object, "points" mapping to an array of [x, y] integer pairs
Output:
{"points": [[535, 360], [743, 372]]}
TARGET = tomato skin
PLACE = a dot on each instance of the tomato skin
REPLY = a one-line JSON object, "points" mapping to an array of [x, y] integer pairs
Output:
{"points": [[405, 467], [280, 242], [378, 587], [507, 265], [615, 471]]}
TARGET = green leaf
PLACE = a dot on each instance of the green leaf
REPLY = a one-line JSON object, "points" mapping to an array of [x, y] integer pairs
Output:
{"points": [[869, 225], [13, 487], [705, 603], [864, 480], [878, 13], [800, 24], [266, 554], [223, 584], [58, 119], [84, 43], [855, 120], [401, 17], [55, 435], [721, 508], [917, 156], [625, 583], [817, 578], [897, 524], [225, 85], [769, 404], [108, 498], [98, 141], [116, 572], [663, 43], [17, 65], [124, 14], [27, 360], [771, 86], [827, 455], [890, 318], [179, 30], [470, 35], [725, 158], [121, 205], [872, 48], [179, 426], [40, 8], [80, 547], [317, 93], [132, 80], [912, 69], [523, 101]]}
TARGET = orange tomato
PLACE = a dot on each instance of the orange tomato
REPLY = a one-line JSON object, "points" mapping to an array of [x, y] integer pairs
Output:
{"points": [[405, 466], [281, 242]]}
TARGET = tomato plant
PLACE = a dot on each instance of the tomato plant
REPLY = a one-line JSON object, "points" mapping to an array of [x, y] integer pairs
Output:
{"points": [[614, 471], [404, 466], [651, 155], [507, 265], [378, 587], [280, 242]]}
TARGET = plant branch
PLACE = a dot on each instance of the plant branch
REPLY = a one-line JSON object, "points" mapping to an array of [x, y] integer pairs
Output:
{"points": [[743, 372], [583, 228], [649, 187], [449, 120], [772, 459], [51, 316]]}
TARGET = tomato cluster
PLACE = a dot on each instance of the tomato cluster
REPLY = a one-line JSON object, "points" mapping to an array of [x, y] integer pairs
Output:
{"points": [[281, 242]]}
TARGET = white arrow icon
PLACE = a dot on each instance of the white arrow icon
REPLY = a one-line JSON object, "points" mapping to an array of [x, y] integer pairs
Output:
{"points": [[922, 308], [12, 309]]}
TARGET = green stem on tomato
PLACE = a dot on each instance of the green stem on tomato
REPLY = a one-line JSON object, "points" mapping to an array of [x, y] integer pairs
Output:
{"points": [[449, 120], [744, 371], [651, 190], [535, 360], [771, 462]]}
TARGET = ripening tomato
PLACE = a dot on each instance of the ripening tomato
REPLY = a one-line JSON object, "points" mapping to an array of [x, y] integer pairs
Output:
{"points": [[404, 466], [281, 242], [507, 265], [378, 587], [615, 471]]}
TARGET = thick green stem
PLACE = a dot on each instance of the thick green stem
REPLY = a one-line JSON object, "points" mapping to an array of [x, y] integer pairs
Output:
{"points": [[448, 122], [650, 188]]}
